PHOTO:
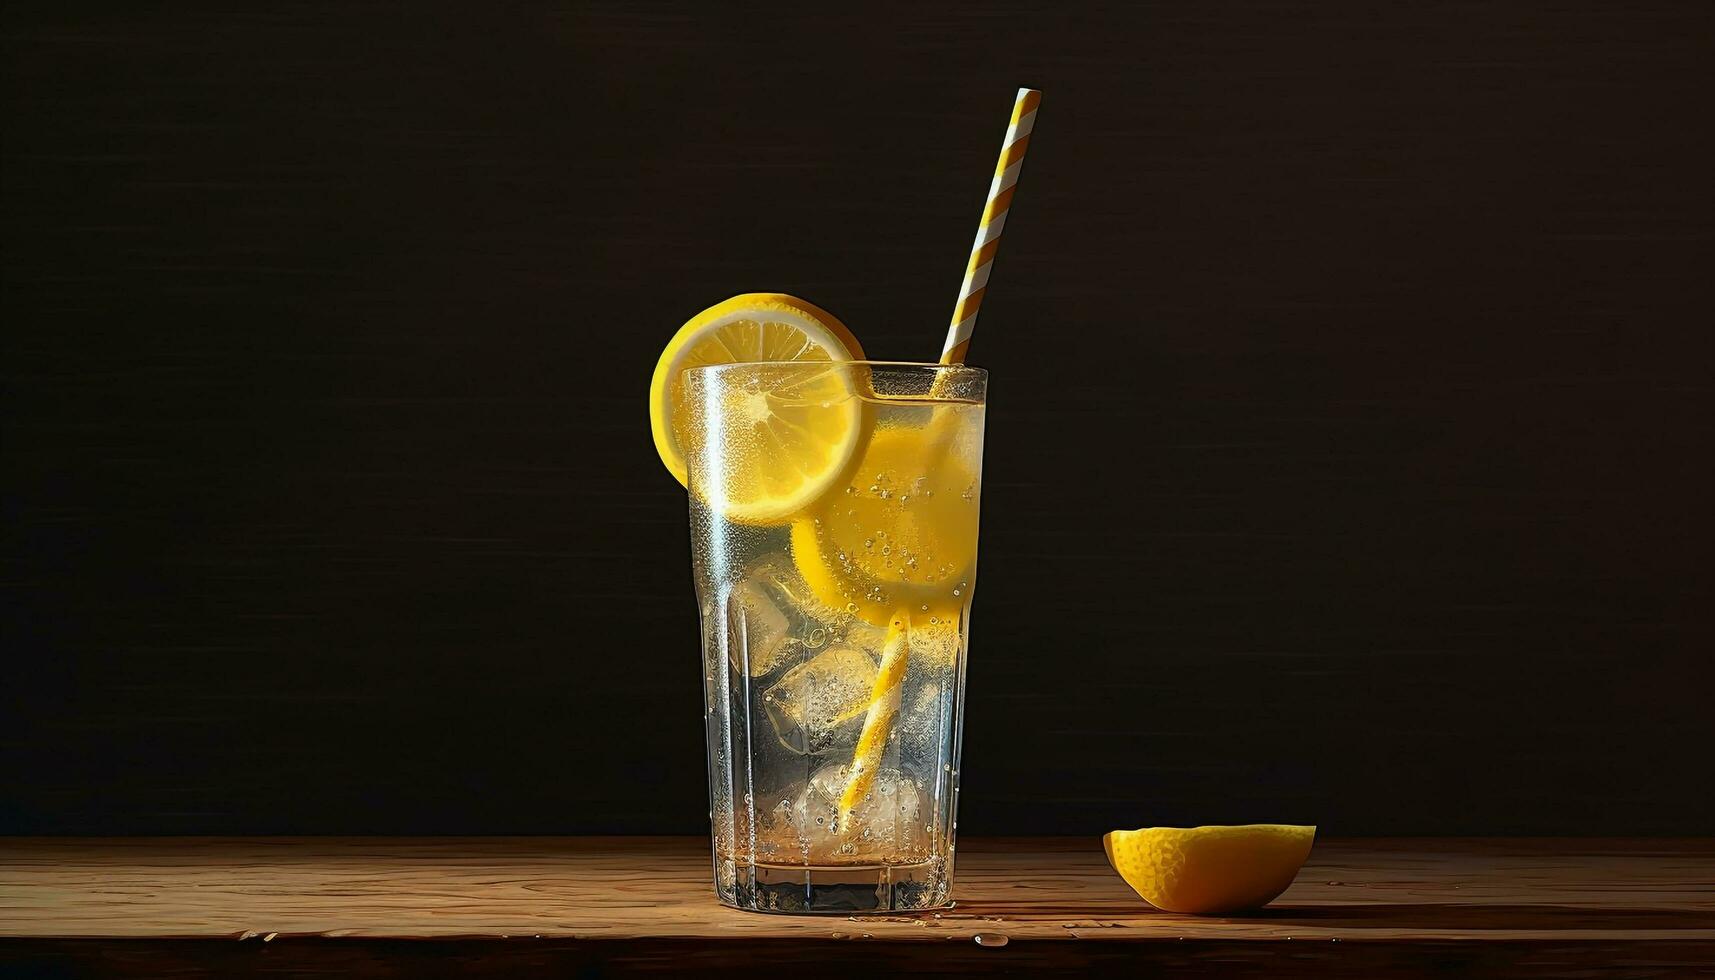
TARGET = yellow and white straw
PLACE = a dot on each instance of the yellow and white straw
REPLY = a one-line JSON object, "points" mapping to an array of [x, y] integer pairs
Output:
{"points": [[878, 721], [890, 676], [994, 219]]}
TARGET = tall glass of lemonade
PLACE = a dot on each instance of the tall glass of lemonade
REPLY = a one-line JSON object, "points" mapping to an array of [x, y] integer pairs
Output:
{"points": [[834, 513]]}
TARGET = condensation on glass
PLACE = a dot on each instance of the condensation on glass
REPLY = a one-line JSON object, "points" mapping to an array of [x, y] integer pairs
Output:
{"points": [[835, 631]]}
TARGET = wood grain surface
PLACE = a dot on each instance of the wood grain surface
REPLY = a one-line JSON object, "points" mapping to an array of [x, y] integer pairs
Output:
{"points": [[558, 906], [1348, 455], [636, 888]]}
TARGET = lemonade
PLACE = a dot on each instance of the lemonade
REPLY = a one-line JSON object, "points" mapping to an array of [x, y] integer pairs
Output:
{"points": [[834, 545], [834, 513]]}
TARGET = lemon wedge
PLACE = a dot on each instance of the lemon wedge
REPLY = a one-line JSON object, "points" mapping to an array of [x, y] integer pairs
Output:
{"points": [[804, 422], [1209, 870], [901, 534]]}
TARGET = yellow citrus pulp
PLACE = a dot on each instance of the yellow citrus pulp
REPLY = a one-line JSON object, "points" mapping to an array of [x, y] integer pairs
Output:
{"points": [[1209, 870], [901, 534], [808, 423]]}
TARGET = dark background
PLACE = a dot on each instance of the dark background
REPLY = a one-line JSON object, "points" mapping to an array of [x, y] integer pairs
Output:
{"points": [[1349, 460]]}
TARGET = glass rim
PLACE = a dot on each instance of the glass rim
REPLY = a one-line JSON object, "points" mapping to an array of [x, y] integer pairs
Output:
{"points": [[925, 365]]}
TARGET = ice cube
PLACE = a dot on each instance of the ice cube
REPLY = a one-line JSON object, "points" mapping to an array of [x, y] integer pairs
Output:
{"points": [[775, 620], [866, 637], [814, 700], [936, 640], [887, 825], [761, 639], [918, 729]]}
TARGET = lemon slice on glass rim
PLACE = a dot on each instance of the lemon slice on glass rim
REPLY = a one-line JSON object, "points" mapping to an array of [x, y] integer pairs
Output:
{"points": [[806, 422]]}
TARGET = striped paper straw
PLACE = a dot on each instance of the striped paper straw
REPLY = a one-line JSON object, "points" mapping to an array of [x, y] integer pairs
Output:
{"points": [[994, 219], [890, 675], [878, 720]]}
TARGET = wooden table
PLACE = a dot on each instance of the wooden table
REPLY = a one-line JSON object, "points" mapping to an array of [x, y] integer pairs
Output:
{"points": [[561, 906]]}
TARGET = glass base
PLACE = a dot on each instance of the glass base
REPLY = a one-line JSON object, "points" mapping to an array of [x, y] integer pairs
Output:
{"points": [[810, 890]]}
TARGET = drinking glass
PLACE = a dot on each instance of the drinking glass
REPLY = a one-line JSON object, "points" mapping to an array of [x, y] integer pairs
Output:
{"points": [[835, 597]]}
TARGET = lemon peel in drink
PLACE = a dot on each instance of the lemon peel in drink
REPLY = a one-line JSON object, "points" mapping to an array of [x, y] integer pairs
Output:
{"points": [[901, 533]]}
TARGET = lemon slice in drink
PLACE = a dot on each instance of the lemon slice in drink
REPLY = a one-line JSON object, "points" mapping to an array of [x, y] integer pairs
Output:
{"points": [[805, 424], [1209, 870], [901, 533]]}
